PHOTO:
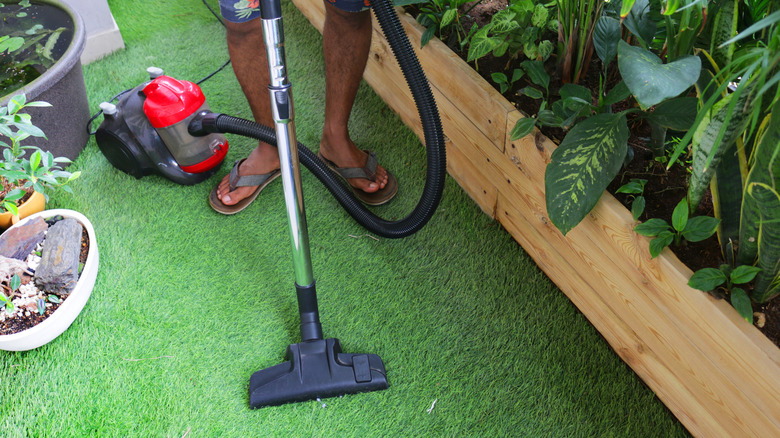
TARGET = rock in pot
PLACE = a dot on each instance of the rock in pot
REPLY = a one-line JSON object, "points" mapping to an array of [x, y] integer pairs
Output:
{"points": [[58, 271]]}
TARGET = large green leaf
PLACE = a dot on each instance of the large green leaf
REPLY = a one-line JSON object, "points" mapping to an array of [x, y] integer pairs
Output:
{"points": [[651, 81], [707, 151], [723, 28], [481, 44], [606, 35], [640, 21], [677, 114], [768, 280], [583, 165], [765, 169], [727, 187]]}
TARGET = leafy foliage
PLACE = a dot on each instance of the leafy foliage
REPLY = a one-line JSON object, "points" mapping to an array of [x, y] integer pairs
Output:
{"points": [[708, 279], [518, 29], [38, 172], [635, 188], [692, 229]]}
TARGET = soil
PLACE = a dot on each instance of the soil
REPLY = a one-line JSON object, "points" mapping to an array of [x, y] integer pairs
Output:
{"points": [[664, 188], [25, 321]]}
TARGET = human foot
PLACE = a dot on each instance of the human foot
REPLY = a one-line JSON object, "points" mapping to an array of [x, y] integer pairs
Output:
{"points": [[246, 180], [262, 160], [381, 194], [373, 179]]}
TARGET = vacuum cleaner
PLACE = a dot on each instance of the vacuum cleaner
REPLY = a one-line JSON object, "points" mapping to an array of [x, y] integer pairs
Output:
{"points": [[316, 367], [146, 132]]}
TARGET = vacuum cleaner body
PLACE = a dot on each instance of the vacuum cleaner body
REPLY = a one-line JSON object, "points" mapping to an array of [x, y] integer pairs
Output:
{"points": [[146, 132]]}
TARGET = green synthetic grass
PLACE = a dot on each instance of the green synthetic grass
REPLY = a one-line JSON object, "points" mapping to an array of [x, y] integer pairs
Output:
{"points": [[189, 303]]}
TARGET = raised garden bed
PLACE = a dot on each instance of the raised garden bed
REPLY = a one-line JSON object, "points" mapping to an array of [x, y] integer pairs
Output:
{"points": [[718, 374]]}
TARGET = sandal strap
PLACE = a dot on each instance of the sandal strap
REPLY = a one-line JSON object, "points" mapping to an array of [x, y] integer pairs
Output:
{"points": [[246, 180], [368, 171]]}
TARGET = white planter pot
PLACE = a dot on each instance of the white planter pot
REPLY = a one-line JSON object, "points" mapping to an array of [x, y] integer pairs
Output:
{"points": [[67, 312]]}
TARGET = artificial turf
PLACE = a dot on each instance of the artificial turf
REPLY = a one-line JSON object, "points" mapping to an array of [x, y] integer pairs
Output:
{"points": [[189, 303]]}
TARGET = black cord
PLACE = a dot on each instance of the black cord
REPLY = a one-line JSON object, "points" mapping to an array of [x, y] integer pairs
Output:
{"points": [[97, 114]]}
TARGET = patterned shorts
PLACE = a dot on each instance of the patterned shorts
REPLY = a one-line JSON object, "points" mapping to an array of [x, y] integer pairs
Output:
{"points": [[239, 11]]}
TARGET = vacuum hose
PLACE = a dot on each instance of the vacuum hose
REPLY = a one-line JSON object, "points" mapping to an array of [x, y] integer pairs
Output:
{"points": [[434, 139]]}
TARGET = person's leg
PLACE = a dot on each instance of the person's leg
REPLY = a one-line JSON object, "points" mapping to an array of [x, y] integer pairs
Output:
{"points": [[346, 41], [247, 54]]}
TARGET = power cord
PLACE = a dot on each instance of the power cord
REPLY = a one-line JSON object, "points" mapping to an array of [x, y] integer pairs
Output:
{"points": [[209, 76]]}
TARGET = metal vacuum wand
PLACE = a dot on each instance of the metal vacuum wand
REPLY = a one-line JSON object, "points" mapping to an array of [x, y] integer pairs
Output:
{"points": [[316, 367]]}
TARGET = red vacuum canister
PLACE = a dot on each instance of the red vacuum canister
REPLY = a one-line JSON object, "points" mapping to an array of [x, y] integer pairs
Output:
{"points": [[170, 105]]}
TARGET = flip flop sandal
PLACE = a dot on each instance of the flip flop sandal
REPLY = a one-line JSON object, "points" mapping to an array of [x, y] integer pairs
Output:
{"points": [[241, 181], [368, 172]]}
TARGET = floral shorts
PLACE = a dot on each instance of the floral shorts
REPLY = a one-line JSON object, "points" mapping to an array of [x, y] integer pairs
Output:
{"points": [[239, 11]]}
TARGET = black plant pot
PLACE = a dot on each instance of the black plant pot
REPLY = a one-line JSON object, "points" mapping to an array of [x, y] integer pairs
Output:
{"points": [[62, 85]]}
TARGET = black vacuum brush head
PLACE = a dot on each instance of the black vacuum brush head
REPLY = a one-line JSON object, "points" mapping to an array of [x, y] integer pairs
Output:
{"points": [[316, 369]]}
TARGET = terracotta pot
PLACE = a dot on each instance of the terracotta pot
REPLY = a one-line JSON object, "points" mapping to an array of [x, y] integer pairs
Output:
{"points": [[35, 204], [64, 316]]}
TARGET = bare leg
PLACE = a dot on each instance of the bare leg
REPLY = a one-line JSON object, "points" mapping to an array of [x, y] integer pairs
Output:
{"points": [[346, 43], [247, 52]]}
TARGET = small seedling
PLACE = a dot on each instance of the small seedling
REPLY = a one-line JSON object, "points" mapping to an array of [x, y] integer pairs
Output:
{"points": [[54, 299], [41, 303], [6, 301], [14, 284], [709, 279], [635, 188], [692, 229], [504, 82]]}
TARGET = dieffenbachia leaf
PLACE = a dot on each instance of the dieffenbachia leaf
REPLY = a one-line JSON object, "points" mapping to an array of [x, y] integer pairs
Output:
{"points": [[652, 81], [587, 160]]}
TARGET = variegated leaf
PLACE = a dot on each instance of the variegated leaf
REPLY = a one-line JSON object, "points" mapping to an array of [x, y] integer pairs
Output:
{"points": [[707, 151], [583, 165], [765, 169], [768, 280]]}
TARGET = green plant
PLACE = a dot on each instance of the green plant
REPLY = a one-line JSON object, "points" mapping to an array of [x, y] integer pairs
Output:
{"points": [[692, 229], [440, 17], [593, 151], [13, 284], [735, 148], [519, 29], [18, 173], [669, 147], [29, 45], [504, 82], [709, 279], [636, 189], [576, 20]]}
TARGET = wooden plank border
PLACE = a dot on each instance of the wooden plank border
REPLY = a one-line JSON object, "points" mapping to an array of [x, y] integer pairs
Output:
{"points": [[718, 374]]}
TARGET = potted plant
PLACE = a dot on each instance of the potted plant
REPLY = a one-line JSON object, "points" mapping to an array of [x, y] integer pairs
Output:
{"points": [[25, 180], [46, 324], [717, 373], [46, 38]]}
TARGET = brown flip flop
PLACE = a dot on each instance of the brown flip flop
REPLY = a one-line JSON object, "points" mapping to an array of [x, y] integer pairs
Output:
{"points": [[368, 172], [241, 181]]}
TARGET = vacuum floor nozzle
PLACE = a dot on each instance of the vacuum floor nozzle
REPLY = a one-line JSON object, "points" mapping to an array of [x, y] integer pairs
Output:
{"points": [[316, 369]]}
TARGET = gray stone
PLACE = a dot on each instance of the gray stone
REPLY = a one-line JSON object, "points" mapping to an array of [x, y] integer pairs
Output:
{"points": [[18, 242], [58, 271]]}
